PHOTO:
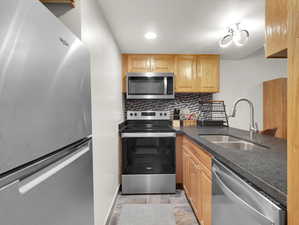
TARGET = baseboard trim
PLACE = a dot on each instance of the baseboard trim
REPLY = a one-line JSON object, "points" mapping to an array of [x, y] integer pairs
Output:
{"points": [[108, 217]]}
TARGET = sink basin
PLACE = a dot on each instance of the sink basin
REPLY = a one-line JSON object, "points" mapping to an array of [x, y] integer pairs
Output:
{"points": [[219, 138], [242, 145], [230, 142]]}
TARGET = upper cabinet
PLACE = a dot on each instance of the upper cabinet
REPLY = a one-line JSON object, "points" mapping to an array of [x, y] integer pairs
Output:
{"points": [[207, 72], [193, 73], [185, 73], [162, 63], [150, 63], [276, 28], [139, 63]]}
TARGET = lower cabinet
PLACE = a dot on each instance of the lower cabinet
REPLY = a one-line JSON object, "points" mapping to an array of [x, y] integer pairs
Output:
{"points": [[197, 180]]}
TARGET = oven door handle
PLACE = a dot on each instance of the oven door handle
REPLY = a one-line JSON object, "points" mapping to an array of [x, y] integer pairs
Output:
{"points": [[148, 135]]}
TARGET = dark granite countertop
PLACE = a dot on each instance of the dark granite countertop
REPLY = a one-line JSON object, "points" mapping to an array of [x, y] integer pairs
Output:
{"points": [[266, 169]]}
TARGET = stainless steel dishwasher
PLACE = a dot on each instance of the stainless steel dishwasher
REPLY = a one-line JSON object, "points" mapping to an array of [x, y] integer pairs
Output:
{"points": [[235, 202]]}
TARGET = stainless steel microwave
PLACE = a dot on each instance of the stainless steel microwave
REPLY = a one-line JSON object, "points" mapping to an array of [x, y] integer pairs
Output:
{"points": [[150, 86]]}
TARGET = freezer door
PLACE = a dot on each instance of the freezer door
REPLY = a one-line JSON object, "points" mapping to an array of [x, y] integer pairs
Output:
{"points": [[60, 194], [44, 84]]}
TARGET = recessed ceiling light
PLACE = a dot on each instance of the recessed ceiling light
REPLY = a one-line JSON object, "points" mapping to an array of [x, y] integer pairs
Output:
{"points": [[150, 35]]}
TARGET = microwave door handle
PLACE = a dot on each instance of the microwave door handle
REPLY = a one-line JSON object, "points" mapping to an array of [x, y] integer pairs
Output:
{"points": [[34, 180], [235, 198], [165, 85]]}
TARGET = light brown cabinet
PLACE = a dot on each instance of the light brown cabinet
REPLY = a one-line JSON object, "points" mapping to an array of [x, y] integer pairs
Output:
{"points": [[207, 72], [206, 193], [185, 73], [139, 63], [186, 172], [293, 112], [162, 63], [276, 28], [179, 159], [197, 180], [275, 106], [193, 73], [150, 63]]}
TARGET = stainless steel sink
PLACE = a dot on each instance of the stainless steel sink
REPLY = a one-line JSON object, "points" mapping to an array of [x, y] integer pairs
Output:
{"points": [[219, 138], [230, 142]]}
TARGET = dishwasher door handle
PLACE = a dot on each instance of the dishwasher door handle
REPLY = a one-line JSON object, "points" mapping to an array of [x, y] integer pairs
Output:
{"points": [[34, 180], [235, 198]]}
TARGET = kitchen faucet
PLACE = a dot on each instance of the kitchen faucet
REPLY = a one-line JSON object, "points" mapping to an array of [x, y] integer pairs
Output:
{"points": [[253, 128]]}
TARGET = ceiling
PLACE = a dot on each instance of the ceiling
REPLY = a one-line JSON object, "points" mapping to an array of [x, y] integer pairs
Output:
{"points": [[184, 26]]}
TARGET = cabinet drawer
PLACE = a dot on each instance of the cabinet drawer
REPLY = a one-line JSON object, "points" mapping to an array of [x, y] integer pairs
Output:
{"points": [[201, 154]]}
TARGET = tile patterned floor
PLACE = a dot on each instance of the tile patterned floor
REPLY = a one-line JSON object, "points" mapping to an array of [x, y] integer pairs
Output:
{"points": [[182, 209]]}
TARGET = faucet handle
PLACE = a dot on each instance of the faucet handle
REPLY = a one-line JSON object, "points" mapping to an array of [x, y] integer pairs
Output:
{"points": [[256, 127]]}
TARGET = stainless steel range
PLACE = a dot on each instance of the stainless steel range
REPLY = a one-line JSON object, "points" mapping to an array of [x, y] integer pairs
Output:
{"points": [[148, 154]]}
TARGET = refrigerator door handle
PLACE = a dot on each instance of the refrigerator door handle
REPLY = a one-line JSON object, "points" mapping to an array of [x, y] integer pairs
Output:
{"points": [[34, 180]]}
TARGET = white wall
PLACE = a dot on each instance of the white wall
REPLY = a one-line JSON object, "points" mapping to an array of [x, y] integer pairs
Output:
{"points": [[106, 105], [244, 78]]}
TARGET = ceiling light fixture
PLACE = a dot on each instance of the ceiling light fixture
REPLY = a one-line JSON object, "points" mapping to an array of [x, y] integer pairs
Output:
{"points": [[150, 35], [236, 35]]}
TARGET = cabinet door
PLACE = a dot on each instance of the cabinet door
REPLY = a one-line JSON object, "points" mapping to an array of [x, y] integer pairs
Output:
{"points": [[139, 63], [193, 184], [197, 189], [186, 172], [162, 63], [276, 28], [207, 73], [185, 73], [206, 199]]}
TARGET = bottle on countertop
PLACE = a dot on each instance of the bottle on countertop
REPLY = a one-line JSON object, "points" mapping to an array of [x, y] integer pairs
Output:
{"points": [[176, 114]]}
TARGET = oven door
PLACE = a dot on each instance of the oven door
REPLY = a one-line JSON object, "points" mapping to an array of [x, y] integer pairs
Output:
{"points": [[150, 86], [148, 153]]}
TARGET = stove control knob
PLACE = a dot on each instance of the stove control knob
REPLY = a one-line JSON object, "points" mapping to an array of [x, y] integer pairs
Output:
{"points": [[131, 114], [135, 114], [161, 114], [165, 114]]}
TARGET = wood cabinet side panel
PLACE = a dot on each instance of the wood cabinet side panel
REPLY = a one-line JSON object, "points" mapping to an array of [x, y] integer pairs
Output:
{"points": [[206, 199], [179, 159], [293, 113], [276, 28], [275, 106]]}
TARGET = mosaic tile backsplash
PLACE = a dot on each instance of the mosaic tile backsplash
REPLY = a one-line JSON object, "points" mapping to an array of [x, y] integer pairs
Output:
{"points": [[181, 101]]}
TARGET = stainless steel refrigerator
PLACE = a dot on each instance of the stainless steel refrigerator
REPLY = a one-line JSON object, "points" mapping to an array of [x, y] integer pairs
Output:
{"points": [[45, 120]]}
